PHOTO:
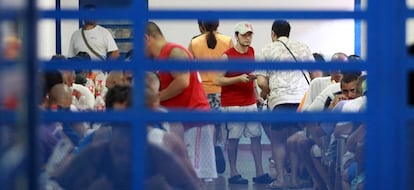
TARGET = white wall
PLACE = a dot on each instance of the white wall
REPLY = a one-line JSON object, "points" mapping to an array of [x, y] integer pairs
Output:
{"points": [[47, 29], [322, 36]]}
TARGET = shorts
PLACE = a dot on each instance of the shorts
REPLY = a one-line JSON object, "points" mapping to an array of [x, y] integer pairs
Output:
{"points": [[200, 147], [215, 101], [284, 125], [247, 129]]}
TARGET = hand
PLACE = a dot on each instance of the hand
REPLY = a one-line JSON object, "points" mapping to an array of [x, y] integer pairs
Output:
{"points": [[337, 99], [244, 78], [264, 93], [252, 77]]}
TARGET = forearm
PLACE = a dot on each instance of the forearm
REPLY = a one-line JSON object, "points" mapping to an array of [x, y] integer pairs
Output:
{"points": [[176, 87], [114, 54], [225, 81]]}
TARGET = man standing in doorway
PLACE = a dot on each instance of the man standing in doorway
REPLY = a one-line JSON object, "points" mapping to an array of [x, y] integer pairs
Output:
{"points": [[93, 39]]}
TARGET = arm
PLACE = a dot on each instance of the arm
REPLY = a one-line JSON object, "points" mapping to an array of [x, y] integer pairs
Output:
{"points": [[356, 137], [113, 55], [221, 80], [190, 47], [263, 84], [178, 85], [181, 79], [315, 74]]}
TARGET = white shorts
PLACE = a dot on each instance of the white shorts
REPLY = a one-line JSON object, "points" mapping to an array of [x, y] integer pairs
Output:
{"points": [[237, 129], [200, 147]]}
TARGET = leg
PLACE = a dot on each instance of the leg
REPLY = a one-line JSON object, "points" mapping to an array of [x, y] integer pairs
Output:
{"points": [[305, 153], [279, 154], [256, 148], [292, 147], [232, 147]]}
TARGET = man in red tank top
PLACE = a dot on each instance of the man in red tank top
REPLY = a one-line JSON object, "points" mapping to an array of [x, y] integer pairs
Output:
{"points": [[183, 90], [238, 95]]}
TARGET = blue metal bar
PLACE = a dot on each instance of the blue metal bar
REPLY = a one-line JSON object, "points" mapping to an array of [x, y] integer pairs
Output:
{"points": [[105, 14], [139, 17], [383, 125], [188, 116], [200, 65], [58, 29], [123, 40], [357, 29], [9, 14], [117, 26], [253, 14], [192, 14], [29, 119], [8, 116]]}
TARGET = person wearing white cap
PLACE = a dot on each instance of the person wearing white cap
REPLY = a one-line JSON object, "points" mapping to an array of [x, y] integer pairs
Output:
{"points": [[238, 95]]}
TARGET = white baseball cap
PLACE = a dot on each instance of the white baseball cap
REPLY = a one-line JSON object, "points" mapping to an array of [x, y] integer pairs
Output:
{"points": [[243, 27]]}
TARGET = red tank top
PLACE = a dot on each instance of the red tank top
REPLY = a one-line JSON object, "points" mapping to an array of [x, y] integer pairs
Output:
{"points": [[193, 97], [238, 94]]}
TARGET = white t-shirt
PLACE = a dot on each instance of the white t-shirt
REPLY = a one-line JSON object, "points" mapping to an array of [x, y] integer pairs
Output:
{"points": [[287, 86], [99, 38], [316, 86], [319, 102]]}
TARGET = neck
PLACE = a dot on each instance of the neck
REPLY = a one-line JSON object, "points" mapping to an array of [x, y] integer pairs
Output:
{"points": [[241, 49], [158, 47], [89, 26]]}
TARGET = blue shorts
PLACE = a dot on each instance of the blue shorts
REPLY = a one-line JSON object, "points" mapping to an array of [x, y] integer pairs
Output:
{"points": [[285, 108]]}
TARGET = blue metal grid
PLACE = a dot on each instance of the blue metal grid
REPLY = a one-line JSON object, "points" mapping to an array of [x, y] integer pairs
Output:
{"points": [[387, 66]]}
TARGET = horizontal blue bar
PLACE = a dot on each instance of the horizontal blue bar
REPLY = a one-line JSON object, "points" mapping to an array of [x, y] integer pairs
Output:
{"points": [[116, 26], [10, 14], [187, 116], [253, 14], [201, 65], [105, 14], [8, 117], [123, 40], [207, 14]]}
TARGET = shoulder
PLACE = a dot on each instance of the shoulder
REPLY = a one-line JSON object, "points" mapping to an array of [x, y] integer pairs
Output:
{"points": [[179, 52], [223, 37], [103, 30], [199, 38]]}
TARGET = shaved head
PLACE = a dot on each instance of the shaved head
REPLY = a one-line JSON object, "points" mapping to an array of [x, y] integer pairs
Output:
{"points": [[61, 95]]}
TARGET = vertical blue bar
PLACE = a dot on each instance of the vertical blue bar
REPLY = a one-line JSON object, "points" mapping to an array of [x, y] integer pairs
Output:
{"points": [[357, 48], [383, 132], [30, 109], [139, 18], [58, 29]]}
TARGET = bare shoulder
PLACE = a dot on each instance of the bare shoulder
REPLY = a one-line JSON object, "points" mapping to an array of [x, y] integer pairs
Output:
{"points": [[178, 53]]}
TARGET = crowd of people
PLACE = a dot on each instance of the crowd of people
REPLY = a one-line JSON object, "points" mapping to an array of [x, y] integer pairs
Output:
{"points": [[91, 155]]}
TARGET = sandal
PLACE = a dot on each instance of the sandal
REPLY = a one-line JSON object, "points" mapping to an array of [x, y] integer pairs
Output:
{"points": [[263, 179], [238, 179]]}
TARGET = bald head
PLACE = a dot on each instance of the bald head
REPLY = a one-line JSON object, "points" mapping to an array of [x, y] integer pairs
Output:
{"points": [[61, 95], [115, 78], [153, 30], [339, 57]]}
